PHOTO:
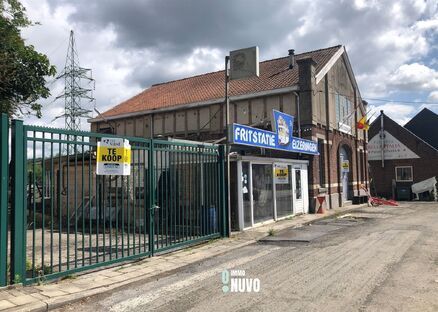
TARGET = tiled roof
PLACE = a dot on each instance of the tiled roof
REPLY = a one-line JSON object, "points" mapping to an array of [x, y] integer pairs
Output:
{"points": [[422, 125], [274, 74]]}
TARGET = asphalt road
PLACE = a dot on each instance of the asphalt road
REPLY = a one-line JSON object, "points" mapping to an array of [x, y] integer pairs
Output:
{"points": [[375, 259]]}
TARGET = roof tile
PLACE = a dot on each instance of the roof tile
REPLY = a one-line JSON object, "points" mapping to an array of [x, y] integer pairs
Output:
{"points": [[274, 74]]}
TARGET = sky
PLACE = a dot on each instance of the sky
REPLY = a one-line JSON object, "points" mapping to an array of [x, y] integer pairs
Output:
{"points": [[130, 45]]}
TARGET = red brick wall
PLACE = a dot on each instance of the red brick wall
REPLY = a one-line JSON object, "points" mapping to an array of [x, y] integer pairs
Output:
{"points": [[423, 168], [331, 166]]}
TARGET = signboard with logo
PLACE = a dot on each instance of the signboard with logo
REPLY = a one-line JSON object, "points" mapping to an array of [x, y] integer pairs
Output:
{"points": [[281, 174], [113, 157], [281, 139], [393, 148], [244, 63], [345, 166]]}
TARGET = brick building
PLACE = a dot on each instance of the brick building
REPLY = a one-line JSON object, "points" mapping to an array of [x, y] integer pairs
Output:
{"points": [[318, 88], [409, 157]]}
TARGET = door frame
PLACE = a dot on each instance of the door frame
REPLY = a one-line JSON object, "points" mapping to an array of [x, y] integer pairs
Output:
{"points": [[349, 175], [303, 164], [295, 201]]}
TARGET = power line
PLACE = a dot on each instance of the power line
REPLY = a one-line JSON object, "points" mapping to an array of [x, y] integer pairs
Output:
{"points": [[400, 101]]}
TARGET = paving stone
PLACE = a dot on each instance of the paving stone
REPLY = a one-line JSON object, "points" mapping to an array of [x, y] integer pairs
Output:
{"points": [[110, 273], [146, 270], [98, 278], [96, 284], [21, 300], [116, 279], [29, 290], [72, 289], [39, 296], [4, 295], [53, 293], [16, 292], [5, 304]]}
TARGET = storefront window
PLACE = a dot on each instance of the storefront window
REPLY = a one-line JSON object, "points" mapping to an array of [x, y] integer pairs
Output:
{"points": [[262, 192], [246, 194], [283, 189]]}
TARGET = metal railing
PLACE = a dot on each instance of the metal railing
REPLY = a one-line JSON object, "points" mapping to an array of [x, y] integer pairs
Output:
{"points": [[67, 219]]}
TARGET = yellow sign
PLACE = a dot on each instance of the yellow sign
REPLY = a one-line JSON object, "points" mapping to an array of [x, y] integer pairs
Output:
{"points": [[281, 174], [113, 157], [345, 165]]}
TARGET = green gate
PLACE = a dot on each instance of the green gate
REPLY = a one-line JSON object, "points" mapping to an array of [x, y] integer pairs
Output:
{"points": [[67, 219]]}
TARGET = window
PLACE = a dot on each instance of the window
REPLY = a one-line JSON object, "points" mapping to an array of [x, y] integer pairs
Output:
{"points": [[344, 116], [403, 174], [321, 163]]}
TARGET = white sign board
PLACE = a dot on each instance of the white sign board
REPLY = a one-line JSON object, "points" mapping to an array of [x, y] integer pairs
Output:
{"points": [[113, 157], [393, 148], [281, 174], [343, 127], [244, 63]]}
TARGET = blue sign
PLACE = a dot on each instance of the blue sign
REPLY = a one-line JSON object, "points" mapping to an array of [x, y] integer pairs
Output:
{"points": [[282, 139]]}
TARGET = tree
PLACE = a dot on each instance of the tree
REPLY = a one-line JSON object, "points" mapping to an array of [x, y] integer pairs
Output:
{"points": [[23, 70]]}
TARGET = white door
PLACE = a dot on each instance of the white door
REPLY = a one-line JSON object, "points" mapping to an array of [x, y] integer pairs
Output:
{"points": [[297, 179], [305, 188]]}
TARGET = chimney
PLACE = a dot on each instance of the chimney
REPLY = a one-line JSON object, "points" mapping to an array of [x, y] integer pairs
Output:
{"points": [[291, 58]]}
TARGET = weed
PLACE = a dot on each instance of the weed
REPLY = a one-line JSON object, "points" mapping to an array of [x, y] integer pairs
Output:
{"points": [[271, 232], [69, 277], [28, 265], [17, 279]]}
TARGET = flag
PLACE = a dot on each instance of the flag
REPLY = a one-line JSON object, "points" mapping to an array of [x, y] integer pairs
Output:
{"points": [[366, 125], [361, 123]]}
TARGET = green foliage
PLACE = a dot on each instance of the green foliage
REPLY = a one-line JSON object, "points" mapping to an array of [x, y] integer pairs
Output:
{"points": [[17, 279], [22, 69], [28, 265], [271, 232]]}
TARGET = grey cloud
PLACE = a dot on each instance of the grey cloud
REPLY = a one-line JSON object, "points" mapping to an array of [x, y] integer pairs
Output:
{"points": [[170, 30], [175, 27]]}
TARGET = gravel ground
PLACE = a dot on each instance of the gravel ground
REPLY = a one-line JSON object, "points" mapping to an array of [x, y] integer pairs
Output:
{"points": [[374, 259]]}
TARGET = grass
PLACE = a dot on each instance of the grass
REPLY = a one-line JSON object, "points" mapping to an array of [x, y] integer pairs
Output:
{"points": [[271, 232]]}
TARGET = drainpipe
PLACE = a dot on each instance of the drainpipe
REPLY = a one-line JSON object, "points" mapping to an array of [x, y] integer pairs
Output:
{"points": [[152, 130], [327, 137], [297, 97], [382, 139]]}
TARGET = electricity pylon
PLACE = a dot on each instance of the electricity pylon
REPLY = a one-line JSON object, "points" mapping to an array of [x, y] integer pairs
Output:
{"points": [[75, 77]]}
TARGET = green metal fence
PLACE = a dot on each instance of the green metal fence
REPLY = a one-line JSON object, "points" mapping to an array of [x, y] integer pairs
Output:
{"points": [[67, 219], [4, 200]]}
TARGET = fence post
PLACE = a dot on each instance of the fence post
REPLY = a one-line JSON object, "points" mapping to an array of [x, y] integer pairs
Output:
{"points": [[222, 192], [151, 197], [4, 185], [18, 256]]}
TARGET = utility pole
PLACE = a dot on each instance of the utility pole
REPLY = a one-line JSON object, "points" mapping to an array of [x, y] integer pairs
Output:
{"points": [[228, 146], [74, 92]]}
